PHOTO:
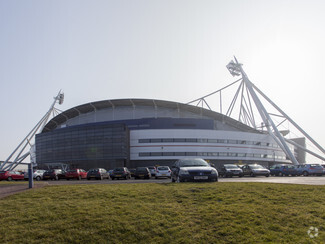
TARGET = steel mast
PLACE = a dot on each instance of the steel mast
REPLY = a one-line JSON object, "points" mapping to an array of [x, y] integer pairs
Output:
{"points": [[18, 154]]}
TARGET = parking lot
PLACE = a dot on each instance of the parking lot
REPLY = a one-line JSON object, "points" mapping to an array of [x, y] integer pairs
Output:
{"points": [[309, 180]]}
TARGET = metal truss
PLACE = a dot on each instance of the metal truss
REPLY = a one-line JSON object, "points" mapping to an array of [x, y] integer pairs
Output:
{"points": [[22, 152], [247, 107]]}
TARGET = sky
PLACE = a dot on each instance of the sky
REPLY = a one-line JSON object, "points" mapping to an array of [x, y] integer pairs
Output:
{"points": [[173, 50]]}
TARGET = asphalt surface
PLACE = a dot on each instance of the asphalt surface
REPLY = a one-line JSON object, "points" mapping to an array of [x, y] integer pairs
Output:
{"points": [[308, 180], [6, 190]]}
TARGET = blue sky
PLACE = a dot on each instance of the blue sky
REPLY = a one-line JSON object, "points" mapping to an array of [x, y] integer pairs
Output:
{"points": [[171, 50]]}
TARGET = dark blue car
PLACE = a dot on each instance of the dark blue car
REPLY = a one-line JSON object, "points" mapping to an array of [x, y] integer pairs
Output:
{"points": [[283, 170]]}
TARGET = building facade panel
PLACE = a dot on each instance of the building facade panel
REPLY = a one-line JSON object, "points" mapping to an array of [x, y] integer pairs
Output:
{"points": [[87, 143]]}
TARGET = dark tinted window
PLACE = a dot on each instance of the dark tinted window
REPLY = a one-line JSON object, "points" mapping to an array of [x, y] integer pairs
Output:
{"points": [[163, 168], [141, 169], [192, 163], [119, 169]]}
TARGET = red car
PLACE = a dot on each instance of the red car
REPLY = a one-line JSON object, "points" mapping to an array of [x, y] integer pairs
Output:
{"points": [[11, 175], [76, 174]]}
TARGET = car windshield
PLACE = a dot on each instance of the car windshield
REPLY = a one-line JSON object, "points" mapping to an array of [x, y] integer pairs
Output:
{"points": [[230, 166], [119, 169], [193, 163], [163, 168], [93, 170], [141, 169], [256, 167]]}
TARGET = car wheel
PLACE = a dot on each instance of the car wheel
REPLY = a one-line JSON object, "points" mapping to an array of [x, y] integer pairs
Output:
{"points": [[38, 178], [252, 174], [267, 175], [9, 178], [305, 173]]}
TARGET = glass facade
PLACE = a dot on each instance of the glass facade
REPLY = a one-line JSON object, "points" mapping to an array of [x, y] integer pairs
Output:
{"points": [[90, 145], [203, 140]]}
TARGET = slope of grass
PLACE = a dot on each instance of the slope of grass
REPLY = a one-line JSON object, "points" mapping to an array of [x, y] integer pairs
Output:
{"points": [[165, 213]]}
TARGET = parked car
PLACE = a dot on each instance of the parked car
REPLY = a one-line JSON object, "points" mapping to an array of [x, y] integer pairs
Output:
{"points": [[255, 170], [193, 169], [37, 174], [98, 173], [152, 170], [142, 172], [230, 170], [11, 175], [132, 170], [323, 165], [163, 171], [283, 170], [121, 173], [76, 174], [310, 169], [54, 174]]}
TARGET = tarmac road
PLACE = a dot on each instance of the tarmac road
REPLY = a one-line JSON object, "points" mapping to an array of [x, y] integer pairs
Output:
{"points": [[309, 180]]}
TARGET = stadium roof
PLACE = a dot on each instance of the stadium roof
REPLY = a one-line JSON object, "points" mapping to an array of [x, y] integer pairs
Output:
{"points": [[99, 105]]}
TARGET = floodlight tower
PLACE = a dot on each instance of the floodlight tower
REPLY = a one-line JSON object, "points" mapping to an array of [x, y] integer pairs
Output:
{"points": [[18, 154], [236, 69]]}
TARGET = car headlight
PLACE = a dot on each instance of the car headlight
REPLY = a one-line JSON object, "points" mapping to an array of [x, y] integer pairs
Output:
{"points": [[214, 172], [183, 172]]}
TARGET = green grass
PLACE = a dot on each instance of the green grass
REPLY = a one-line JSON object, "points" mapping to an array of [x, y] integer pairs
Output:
{"points": [[5, 182], [165, 213]]}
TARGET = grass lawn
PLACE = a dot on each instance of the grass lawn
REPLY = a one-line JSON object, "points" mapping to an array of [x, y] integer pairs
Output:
{"points": [[165, 213]]}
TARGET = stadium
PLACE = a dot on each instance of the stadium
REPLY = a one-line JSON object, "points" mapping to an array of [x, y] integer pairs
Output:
{"points": [[143, 132]]}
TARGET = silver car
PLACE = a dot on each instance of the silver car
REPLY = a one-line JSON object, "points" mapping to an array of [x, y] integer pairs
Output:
{"points": [[37, 175], [163, 171], [152, 170]]}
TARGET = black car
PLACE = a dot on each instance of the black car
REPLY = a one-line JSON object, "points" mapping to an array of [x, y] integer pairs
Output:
{"points": [[132, 170], [230, 170], [98, 173], [121, 173], [193, 169], [142, 172], [54, 174]]}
